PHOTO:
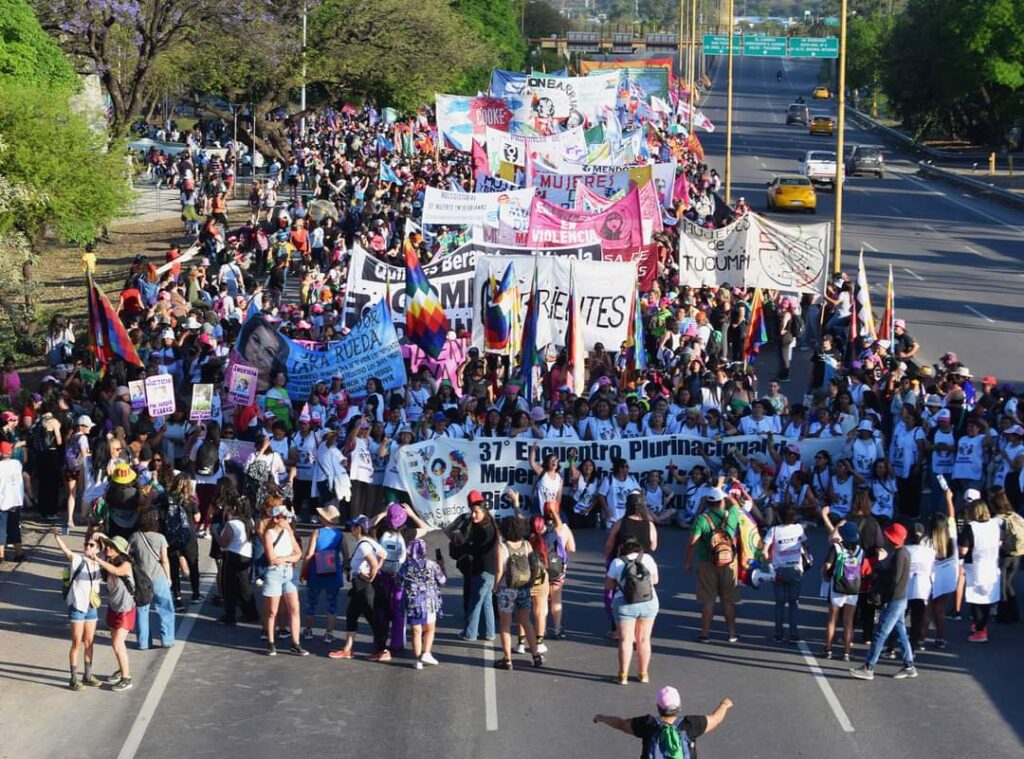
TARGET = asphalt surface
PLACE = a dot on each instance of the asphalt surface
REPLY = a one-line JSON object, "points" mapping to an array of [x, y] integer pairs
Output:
{"points": [[219, 695], [958, 261]]}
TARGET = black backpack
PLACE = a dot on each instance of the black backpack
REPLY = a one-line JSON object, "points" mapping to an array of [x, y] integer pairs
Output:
{"points": [[142, 589], [796, 324], [207, 458], [636, 581], [556, 564], [520, 573], [41, 440]]}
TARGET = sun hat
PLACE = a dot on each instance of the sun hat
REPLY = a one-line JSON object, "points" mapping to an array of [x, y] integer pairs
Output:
{"points": [[849, 532], [896, 534], [668, 698], [329, 515], [167, 334], [865, 426], [972, 494], [943, 415], [361, 521], [118, 543], [123, 474]]}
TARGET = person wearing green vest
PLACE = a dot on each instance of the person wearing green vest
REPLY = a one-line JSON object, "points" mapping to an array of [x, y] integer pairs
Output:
{"points": [[713, 539]]}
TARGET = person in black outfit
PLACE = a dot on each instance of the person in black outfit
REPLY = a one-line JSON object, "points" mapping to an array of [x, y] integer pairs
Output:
{"points": [[474, 547]]}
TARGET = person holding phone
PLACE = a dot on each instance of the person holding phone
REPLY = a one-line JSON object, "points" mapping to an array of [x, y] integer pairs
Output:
{"points": [[82, 595]]}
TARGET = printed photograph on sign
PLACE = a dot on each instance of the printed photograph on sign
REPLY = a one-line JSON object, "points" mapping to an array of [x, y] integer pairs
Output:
{"points": [[160, 395], [137, 394], [202, 403]]}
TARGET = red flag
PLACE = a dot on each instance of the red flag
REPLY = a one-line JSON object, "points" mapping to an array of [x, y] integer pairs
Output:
{"points": [[885, 329], [694, 146], [109, 337], [481, 166]]}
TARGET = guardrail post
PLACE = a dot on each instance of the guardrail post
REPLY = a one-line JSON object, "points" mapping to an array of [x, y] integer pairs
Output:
{"points": [[991, 164]]}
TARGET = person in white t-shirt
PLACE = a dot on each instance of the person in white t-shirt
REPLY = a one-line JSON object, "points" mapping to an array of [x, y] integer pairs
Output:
{"points": [[614, 489], [365, 563], [784, 546], [83, 600]]}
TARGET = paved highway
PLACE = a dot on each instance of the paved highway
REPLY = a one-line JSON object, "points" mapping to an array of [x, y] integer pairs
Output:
{"points": [[958, 261]]}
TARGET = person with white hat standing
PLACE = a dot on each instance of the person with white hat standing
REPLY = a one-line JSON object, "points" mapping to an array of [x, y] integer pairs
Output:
{"points": [[669, 734], [77, 463]]}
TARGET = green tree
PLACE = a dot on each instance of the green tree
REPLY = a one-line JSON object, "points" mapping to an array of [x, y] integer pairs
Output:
{"points": [[27, 54], [497, 24], [540, 19], [958, 65], [61, 181], [866, 40]]}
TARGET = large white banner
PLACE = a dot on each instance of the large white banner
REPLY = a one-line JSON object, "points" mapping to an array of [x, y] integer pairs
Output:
{"points": [[547, 104], [756, 252], [604, 291], [450, 276], [439, 474], [473, 208], [551, 149]]}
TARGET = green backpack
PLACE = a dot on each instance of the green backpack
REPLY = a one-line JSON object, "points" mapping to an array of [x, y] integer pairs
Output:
{"points": [[672, 743]]}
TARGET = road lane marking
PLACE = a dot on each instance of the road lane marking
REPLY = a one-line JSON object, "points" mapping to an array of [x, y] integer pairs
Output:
{"points": [[490, 691], [973, 310], [894, 208], [930, 228], [160, 682], [912, 274], [869, 246], [975, 252], [764, 165], [972, 208], [826, 689]]}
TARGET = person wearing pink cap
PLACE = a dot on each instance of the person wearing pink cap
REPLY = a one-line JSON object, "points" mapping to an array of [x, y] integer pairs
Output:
{"points": [[668, 734]]}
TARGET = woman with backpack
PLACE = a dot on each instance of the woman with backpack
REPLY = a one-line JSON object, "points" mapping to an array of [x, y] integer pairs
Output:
{"points": [[841, 575], [1010, 552], [421, 580], [181, 517], [149, 556], [395, 526], [115, 562], [517, 570], [635, 524], [82, 595], [206, 452], [631, 579], [322, 570], [560, 543], [540, 589]]}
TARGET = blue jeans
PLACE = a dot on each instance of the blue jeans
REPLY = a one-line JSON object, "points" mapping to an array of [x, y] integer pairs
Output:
{"points": [[892, 616], [787, 593], [480, 602], [163, 605]]}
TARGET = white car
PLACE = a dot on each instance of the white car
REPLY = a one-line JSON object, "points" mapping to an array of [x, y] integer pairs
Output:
{"points": [[819, 166]]}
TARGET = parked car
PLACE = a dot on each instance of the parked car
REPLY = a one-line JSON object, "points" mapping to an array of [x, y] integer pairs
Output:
{"points": [[791, 192], [865, 159]]}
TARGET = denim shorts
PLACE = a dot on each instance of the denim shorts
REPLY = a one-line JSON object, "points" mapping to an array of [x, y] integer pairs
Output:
{"points": [[279, 580], [643, 610], [89, 615], [513, 599]]}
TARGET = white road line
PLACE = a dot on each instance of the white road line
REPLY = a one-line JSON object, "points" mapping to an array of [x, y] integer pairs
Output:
{"points": [[869, 246], [975, 311], [826, 689], [975, 252], [930, 228], [894, 208], [972, 208], [490, 691], [156, 690], [918, 277], [764, 165]]}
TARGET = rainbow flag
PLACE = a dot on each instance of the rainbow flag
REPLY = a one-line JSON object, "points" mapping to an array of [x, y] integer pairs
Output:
{"points": [[757, 335], [575, 354], [636, 352], [498, 313], [425, 322], [108, 336], [529, 356]]}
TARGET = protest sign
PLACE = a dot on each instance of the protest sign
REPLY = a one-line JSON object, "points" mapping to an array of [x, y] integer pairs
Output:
{"points": [[236, 450], [472, 208], [450, 276], [513, 149], [547, 104], [242, 383], [603, 291], [646, 260], [137, 394], [559, 188], [619, 226], [488, 183], [713, 256], [202, 403], [664, 176], [160, 395], [792, 257], [461, 119], [439, 474], [371, 349]]}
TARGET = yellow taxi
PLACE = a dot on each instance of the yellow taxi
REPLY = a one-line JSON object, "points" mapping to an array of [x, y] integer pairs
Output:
{"points": [[820, 93], [792, 192], [822, 124]]}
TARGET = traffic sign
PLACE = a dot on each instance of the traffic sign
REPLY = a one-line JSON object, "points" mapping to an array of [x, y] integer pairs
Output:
{"points": [[813, 47], [718, 44], [771, 47], [831, 21]]}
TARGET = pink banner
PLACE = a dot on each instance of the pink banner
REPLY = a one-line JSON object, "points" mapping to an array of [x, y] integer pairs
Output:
{"points": [[619, 226]]}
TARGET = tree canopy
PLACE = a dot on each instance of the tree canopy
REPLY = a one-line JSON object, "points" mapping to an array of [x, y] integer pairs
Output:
{"points": [[27, 53]]}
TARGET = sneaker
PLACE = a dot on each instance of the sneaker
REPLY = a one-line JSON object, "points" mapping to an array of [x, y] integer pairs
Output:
{"points": [[328, 637], [428, 658], [298, 650], [541, 648], [956, 616], [417, 664], [538, 660], [114, 679], [734, 638], [621, 679], [919, 646], [341, 653], [978, 637], [271, 649], [846, 656], [197, 598], [503, 664], [863, 673], [73, 683], [826, 654], [521, 648], [703, 638], [940, 643], [906, 672], [307, 633], [124, 684], [381, 656], [558, 633], [643, 677]]}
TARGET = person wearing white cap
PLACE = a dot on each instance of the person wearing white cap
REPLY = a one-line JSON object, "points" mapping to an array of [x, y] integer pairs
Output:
{"points": [[866, 449], [969, 464], [668, 734], [77, 462], [713, 538], [1009, 458], [168, 355], [941, 443]]}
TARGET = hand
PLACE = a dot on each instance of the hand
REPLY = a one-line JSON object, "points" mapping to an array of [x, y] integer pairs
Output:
{"points": [[598, 718], [727, 703], [55, 531]]}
